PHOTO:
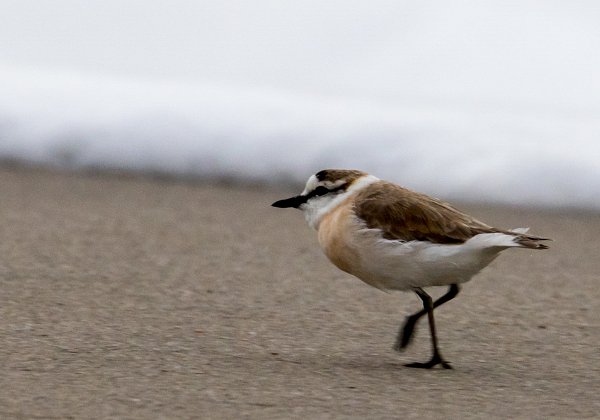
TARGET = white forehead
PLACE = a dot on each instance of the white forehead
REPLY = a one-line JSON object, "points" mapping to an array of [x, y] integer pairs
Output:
{"points": [[313, 182]]}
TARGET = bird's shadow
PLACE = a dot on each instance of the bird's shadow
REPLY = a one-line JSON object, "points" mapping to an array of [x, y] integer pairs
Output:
{"points": [[368, 364]]}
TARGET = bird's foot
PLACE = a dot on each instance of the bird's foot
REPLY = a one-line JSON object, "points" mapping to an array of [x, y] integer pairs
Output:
{"points": [[405, 334], [435, 360]]}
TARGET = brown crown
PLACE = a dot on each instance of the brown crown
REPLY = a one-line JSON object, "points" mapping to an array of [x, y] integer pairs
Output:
{"points": [[333, 175]]}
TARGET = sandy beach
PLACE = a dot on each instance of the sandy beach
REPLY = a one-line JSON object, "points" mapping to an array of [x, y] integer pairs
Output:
{"points": [[139, 298]]}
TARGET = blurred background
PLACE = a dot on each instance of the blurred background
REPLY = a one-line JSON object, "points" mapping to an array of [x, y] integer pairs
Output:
{"points": [[471, 100]]}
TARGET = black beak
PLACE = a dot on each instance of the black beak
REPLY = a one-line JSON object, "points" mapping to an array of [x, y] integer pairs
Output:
{"points": [[294, 202]]}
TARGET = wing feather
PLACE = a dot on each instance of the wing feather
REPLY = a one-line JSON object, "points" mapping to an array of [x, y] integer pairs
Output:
{"points": [[402, 214]]}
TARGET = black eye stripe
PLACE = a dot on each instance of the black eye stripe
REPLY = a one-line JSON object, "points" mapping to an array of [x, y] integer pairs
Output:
{"points": [[321, 190]]}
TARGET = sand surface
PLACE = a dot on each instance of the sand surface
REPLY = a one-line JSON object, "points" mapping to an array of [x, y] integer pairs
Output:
{"points": [[136, 298]]}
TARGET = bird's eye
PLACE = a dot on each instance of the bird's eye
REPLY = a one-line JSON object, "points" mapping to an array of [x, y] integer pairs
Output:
{"points": [[321, 191]]}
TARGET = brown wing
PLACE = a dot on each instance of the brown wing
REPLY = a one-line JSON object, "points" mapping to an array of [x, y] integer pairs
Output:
{"points": [[406, 215]]}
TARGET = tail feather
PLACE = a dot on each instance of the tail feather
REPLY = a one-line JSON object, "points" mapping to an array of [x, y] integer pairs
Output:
{"points": [[529, 241], [515, 238]]}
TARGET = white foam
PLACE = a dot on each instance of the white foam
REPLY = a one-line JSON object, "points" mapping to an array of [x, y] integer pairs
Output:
{"points": [[265, 135]]}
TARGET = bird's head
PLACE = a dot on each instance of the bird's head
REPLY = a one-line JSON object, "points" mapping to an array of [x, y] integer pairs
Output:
{"points": [[323, 191]]}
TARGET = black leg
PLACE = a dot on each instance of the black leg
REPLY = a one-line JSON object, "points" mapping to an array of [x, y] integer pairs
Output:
{"points": [[405, 333], [436, 359]]}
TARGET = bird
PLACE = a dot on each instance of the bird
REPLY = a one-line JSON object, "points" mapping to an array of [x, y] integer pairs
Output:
{"points": [[396, 239]]}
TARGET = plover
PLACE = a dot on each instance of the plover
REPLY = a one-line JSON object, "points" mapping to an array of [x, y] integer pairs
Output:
{"points": [[393, 238]]}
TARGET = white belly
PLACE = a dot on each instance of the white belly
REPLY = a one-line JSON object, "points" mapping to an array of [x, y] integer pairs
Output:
{"points": [[400, 265], [397, 265]]}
